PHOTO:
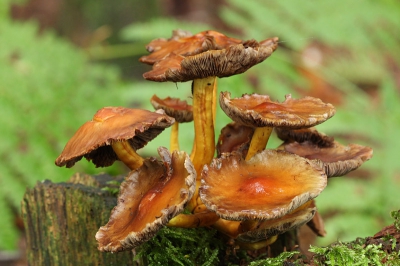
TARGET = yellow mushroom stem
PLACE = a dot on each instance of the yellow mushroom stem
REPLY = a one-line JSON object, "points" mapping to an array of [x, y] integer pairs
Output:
{"points": [[127, 154], [206, 218], [229, 228], [174, 142], [235, 228], [204, 139], [257, 245], [258, 141], [215, 93]]}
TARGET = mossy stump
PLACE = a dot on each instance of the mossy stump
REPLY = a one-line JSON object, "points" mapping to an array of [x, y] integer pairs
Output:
{"points": [[62, 219]]}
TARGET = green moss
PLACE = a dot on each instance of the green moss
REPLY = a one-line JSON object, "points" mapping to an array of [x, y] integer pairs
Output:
{"points": [[177, 246], [354, 253]]}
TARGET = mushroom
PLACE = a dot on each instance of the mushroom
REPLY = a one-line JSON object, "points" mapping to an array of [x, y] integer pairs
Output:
{"points": [[114, 133], [259, 111], [202, 69], [179, 110], [336, 159], [149, 197], [268, 186], [234, 137]]}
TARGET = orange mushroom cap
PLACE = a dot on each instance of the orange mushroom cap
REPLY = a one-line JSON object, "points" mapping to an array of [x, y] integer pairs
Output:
{"points": [[149, 197], [232, 60], [269, 185], [260, 111], [184, 43], [174, 107], [109, 124]]}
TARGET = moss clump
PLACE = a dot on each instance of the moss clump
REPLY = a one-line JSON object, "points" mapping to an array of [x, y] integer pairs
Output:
{"points": [[198, 246]]}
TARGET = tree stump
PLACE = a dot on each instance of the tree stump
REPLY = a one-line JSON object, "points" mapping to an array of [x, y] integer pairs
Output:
{"points": [[61, 221]]}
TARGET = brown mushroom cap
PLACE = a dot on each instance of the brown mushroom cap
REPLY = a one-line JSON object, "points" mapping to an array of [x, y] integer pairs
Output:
{"points": [[184, 43], [174, 107], [233, 60], [149, 197], [305, 134], [109, 124], [260, 111], [269, 185], [273, 227], [234, 138], [336, 160]]}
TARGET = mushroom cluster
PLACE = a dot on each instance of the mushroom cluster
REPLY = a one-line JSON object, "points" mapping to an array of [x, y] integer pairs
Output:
{"points": [[247, 192]]}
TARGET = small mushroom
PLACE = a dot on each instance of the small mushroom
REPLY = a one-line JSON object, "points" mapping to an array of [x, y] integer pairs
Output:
{"points": [[234, 137], [114, 133], [179, 110], [149, 197], [268, 186], [259, 111], [337, 160]]}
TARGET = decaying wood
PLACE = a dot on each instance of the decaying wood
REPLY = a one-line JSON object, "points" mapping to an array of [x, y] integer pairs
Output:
{"points": [[62, 219]]}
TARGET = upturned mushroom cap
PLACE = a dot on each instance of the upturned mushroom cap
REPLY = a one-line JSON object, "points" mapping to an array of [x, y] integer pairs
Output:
{"points": [[188, 45], [149, 197], [269, 185], [260, 111], [336, 160], [174, 107], [234, 138], [184, 43], [232, 60], [109, 124], [273, 227]]}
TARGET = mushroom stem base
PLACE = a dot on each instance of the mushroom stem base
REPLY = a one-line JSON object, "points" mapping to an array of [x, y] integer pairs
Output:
{"points": [[127, 154], [259, 141]]}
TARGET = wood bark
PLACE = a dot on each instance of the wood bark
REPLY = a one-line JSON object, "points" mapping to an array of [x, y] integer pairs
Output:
{"points": [[62, 219]]}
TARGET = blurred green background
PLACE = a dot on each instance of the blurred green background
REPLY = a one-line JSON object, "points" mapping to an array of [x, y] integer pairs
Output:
{"points": [[61, 61]]}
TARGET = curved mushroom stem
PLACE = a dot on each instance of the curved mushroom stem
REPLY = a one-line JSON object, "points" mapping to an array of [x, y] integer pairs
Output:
{"points": [[200, 219], [203, 117], [127, 154], [258, 141], [174, 141]]}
